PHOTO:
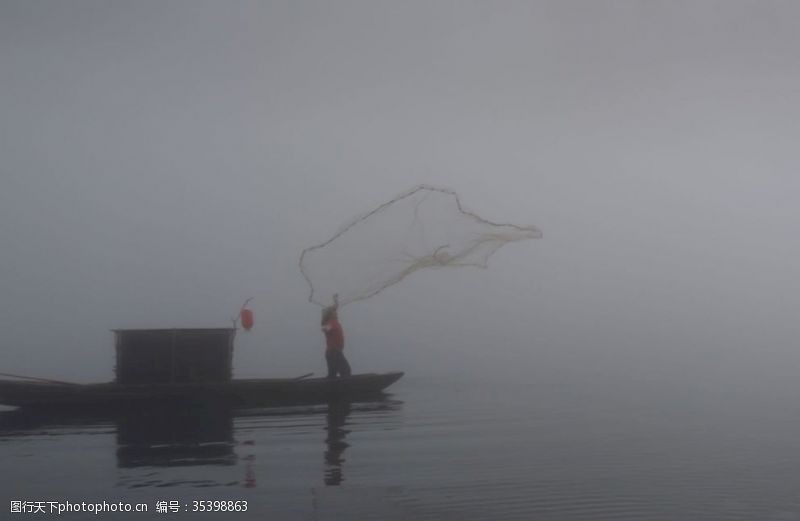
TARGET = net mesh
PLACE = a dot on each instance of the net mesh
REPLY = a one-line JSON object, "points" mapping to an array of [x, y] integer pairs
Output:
{"points": [[424, 228]]}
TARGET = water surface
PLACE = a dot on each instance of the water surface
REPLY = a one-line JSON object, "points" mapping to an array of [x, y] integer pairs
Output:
{"points": [[468, 447]]}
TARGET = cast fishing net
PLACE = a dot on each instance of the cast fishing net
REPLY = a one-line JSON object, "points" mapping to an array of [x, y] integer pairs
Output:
{"points": [[424, 228]]}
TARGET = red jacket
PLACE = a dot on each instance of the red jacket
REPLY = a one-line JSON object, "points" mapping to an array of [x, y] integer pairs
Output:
{"points": [[334, 335]]}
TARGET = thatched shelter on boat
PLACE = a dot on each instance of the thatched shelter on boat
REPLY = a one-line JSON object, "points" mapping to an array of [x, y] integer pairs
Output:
{"points": [[174, 355]]}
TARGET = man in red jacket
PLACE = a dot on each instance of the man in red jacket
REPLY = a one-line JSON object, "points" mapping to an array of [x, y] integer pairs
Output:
{"points": [[334, 338]]}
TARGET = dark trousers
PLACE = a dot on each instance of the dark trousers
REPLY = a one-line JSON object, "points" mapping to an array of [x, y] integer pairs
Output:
{"points": [[337, 363]]}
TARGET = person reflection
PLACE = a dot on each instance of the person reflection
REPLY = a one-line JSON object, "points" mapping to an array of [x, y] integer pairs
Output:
{"points": [[336, 419]]}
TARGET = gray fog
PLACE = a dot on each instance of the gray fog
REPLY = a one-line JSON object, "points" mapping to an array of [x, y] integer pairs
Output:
{"points": [[160, 162]]}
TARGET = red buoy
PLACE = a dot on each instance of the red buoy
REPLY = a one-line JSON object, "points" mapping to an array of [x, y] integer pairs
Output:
{"points": [[247, 319]]}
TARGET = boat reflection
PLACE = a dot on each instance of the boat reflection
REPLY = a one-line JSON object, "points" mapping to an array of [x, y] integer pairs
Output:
{"points": [[152, 437], [170, 437], [175, 437]]}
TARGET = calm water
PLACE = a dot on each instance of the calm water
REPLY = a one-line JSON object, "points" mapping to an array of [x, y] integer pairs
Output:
{"points": [[461, 448]]}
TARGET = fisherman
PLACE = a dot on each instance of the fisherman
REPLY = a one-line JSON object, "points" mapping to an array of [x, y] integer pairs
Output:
{"points": [[334, 338]]}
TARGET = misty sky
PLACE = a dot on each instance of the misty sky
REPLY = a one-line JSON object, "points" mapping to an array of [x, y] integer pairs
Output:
{"points": [[160, 161]]}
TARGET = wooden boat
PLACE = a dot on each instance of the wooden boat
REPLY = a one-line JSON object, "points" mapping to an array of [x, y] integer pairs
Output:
{"points": [[232, 393], [186, 366]]}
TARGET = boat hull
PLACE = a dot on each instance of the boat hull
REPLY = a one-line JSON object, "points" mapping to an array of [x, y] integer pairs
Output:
{"points": [[234, 393]]}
